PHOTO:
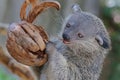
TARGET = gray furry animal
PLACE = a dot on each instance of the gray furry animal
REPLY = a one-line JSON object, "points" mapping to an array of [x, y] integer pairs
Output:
{"points": [[81, 54]]}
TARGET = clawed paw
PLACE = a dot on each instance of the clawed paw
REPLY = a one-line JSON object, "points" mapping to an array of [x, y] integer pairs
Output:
{"points": [[50, 47]]}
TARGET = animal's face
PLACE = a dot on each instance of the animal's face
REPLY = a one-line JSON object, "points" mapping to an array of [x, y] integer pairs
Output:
{"points": [[78, 27], [83, 26]]}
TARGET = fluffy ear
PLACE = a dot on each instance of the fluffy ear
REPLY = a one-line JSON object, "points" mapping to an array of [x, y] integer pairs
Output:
{"points": [[76, 8], [104, 42]]}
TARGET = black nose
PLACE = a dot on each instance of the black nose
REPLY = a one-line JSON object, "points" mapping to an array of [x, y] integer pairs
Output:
{"points": [[66, 37]]}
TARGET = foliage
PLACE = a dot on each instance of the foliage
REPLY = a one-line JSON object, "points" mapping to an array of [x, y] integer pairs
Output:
{"points": [[114, 29], [5, 75]]}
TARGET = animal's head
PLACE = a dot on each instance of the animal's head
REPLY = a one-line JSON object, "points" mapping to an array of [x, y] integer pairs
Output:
{"points": [[82, 25]]}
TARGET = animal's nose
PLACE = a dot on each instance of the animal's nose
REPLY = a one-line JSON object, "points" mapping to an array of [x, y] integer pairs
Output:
{"points": [[66, 37]]}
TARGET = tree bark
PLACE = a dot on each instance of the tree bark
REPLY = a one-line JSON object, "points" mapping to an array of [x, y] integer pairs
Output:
{"points": [[24, 72]]}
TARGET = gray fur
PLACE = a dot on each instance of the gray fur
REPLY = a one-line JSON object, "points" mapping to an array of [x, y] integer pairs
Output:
{"points": [[83, 58]]}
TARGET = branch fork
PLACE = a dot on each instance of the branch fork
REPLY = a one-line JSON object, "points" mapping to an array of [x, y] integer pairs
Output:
{"points": [[27, 42]]}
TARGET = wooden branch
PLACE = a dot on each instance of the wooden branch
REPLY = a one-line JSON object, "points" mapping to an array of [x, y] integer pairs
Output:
{"points": [[24, 72], [26, 45], [26, 42], [37, 8], [40, 8], [24, 6], [3, 27]]}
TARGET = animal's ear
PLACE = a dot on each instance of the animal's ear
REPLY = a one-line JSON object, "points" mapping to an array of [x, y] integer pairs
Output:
{"points": [[76, 8], [104, 42]]}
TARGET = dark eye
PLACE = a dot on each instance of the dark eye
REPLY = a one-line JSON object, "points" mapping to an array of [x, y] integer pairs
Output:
{"points": [[80, 35], [68, 25]]}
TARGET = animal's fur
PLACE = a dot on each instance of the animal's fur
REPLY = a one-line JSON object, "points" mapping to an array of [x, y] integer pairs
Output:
{"points": [[82, 58]]}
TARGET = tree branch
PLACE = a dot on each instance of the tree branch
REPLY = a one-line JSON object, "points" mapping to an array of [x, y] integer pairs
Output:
{"points": [[24, 72]]}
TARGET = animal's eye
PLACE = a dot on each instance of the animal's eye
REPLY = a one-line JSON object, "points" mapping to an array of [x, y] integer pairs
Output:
{"points": [[80, 35], [68, 25]]}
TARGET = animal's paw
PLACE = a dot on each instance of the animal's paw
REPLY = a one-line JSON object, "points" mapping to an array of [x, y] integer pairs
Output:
{"points": [[50, 47]]}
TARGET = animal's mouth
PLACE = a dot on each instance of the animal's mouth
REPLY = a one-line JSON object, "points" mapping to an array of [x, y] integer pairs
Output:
{"points": [[66, 41]]}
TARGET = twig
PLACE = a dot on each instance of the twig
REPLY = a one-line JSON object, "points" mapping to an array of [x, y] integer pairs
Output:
{"points": [[24, 72], [3, 28]]}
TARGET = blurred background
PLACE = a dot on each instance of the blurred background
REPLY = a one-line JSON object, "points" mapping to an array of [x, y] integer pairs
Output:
{"points": [[52, 20]]}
